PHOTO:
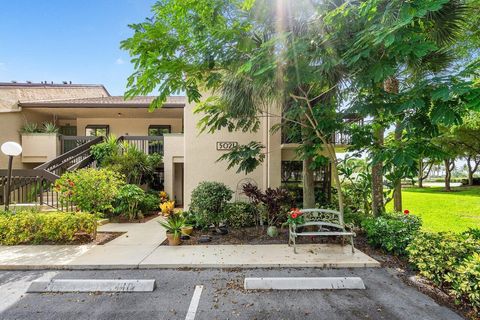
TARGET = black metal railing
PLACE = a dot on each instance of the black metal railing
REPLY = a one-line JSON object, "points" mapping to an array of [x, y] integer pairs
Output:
{"points": [[68, 143], [33, 187], [146, 144]]}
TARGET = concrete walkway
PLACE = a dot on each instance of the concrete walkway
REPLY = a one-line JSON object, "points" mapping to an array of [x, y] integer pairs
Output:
{"points": [[140, 248]]}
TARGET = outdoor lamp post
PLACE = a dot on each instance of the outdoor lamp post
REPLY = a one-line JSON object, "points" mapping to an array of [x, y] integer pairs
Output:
{"points": [[11, 149]]}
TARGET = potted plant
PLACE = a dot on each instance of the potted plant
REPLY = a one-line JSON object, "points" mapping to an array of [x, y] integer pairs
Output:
{"points": [[174, 224], [167, 208]]}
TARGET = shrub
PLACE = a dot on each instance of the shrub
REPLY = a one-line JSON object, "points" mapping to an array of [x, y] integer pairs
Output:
{"points": [[391, 233], [128, 200], [92, 190], [276, 202], [438, 254], [28, 227], [149, 203], [240, 215], [466, 281], [209, 200], [105, 150]]}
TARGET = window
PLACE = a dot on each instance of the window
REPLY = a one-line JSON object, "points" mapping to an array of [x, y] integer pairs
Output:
{"points": [[159, 130], [97, 130], [292, 172], [155, 145]]}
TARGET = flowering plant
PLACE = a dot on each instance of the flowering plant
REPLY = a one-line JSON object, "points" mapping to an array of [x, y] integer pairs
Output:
{"points": [[163, 196], [167, 208], [295, 216]]}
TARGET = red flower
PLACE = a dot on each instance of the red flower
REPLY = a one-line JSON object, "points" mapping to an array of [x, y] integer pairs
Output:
{"points": [[405, 212], [294, 215]]}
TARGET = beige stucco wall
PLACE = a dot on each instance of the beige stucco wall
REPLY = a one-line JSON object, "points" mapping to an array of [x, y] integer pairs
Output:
{"points": [[39, 147], [10, 125], [127, 126], [173, 155], [201, 156]]}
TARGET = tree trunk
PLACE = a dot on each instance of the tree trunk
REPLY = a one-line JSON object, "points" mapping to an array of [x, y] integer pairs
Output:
{"points": [[397, 192], [470, 171], [448, 175], [378, 206], [307, 172], [308, 184], [420, 173]]}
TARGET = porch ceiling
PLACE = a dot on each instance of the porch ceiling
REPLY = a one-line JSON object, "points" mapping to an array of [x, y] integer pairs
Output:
{"points": [[74, 113]]}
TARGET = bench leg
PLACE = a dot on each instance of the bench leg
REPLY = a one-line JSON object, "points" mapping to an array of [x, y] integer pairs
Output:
{"points": [[294, 245], [351, 242]]}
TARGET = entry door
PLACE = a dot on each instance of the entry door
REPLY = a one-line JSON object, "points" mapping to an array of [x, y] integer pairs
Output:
{"points": [[68, 145]]}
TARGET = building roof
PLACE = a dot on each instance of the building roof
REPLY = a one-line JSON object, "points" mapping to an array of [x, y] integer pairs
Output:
{"points": [[105, 102]]}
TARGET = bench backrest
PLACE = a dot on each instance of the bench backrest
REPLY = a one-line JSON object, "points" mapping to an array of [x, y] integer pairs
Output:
{"points": [[323, 215]]}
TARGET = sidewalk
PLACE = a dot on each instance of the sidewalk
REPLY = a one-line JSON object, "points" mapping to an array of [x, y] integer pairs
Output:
{"points": [[140, 248]]}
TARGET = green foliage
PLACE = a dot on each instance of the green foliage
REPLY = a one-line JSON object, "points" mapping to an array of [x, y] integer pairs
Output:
{"points": [[240, 215], [150, 202], [209, 201], [31, 127], [29, 227], [246, 157], [174, 223], [451, 261], [356, 185], [91, 190], [437, 255], [105, 150], [128, 200], [392, 233], [466, 281], [49, 127], [133, 163]]}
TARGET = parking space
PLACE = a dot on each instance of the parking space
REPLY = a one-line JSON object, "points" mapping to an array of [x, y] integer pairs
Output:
{"points": [[223, 297]]}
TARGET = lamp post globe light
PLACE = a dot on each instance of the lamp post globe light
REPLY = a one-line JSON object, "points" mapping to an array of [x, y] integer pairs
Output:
{"points": [[10, 149]]}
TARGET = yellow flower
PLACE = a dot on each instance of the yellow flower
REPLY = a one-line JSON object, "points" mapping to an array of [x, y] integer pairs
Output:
{"points": [[167, 208]]}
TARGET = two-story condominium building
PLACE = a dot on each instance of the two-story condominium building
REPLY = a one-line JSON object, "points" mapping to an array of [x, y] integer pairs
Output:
{"points": [[85, 112]]}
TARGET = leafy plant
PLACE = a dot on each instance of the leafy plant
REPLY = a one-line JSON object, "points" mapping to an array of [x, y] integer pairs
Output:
{"points": [[174, 224], [49, 127], [149, 203], [392, 233], [167, 208], [105, 150], [30, 127], [29, 227], [466, 281], [241, 215], [437, 255], [209, 201], [128, 200], [275, 201], [92, 190]]}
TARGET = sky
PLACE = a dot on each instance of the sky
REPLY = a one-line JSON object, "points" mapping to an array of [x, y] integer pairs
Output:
{"points": [[68, 40]]}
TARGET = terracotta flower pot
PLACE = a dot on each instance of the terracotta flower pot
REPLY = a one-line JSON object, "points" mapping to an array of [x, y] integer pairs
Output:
{"points": [[172, 240], [187, 230]]}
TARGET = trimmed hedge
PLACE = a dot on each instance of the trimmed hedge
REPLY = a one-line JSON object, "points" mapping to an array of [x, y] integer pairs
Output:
{"points": [[29, 227], [240, 215], [391, 233], [451, 261]]}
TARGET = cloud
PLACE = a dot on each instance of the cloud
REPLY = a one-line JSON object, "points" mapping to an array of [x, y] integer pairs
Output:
{"points": [[119, 61]]}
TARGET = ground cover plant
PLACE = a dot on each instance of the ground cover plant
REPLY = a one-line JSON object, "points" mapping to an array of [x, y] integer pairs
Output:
{"points": [[30, 227], [454, 211]]}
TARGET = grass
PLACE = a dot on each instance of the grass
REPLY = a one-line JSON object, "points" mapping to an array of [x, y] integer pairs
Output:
{"points": [[444, 211]]}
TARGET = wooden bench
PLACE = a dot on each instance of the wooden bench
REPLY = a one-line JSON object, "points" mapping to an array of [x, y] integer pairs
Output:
{"points": [[327, 222]]}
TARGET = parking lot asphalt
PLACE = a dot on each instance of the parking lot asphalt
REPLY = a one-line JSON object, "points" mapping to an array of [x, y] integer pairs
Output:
{"points": [[222, 297]]}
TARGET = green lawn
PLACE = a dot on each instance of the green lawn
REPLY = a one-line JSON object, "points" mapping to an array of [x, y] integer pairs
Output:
{"points": [[444, 211]]}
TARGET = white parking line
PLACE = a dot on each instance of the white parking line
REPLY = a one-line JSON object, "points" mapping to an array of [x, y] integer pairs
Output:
{"points": [[192, 309], [14, 289]]}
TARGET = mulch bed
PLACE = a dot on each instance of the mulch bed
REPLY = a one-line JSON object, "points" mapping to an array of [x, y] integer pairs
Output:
{"points": [[250, 236], [105, 237]]}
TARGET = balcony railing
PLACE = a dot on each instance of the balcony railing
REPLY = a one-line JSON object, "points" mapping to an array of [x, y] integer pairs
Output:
{"points": [[146, 144]]}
